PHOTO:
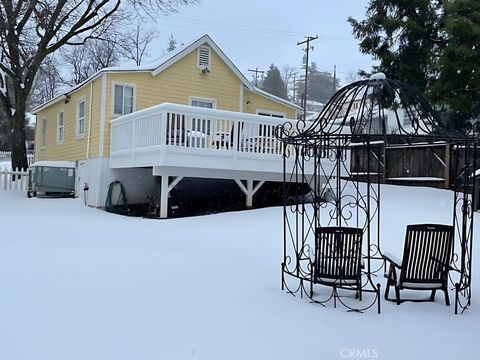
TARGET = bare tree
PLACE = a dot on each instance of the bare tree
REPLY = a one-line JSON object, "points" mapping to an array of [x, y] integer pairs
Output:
{"points": [[288, 75], [30, 30], [134, 44], [84, 61], [48, 82]]}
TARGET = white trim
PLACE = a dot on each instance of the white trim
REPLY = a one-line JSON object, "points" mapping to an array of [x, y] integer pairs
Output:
{"points": [[81, 99], [205, 39], [89, 134], [60, 111], [103, 110], [200, 98], [156, 69], [240, 107], [112, 94], [271, 112], [101, 142], [276, 98]]}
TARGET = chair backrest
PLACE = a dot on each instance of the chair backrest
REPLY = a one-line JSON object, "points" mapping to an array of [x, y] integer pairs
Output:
{"points": [[338, 253], [427, 253]]}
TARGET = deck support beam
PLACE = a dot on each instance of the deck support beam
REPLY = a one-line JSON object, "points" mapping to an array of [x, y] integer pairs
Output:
{"points": [[165, 188], [249, 189]]}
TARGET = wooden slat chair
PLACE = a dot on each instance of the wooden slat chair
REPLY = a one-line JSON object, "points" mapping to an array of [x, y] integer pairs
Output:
{"points": [[338, 258], [426, 261]]}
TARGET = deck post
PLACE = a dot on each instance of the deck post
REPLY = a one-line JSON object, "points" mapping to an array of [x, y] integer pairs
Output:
{"points": [[249, 194], [249, 190], [164, 197]]}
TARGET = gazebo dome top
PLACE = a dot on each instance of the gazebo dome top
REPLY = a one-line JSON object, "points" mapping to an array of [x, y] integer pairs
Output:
{"points": [[376, 106]]}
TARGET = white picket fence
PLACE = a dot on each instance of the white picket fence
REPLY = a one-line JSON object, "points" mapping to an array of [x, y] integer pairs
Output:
{"points": [[7, 155], [14, 180]]}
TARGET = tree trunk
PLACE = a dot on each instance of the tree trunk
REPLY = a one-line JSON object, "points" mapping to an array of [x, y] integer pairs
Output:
{"points": [[18, 138]]}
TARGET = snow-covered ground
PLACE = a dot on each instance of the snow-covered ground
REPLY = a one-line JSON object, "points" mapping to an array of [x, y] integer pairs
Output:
{"points": [[79, 283]]}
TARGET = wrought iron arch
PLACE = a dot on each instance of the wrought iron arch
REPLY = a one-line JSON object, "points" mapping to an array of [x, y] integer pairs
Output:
{"points": [[367, 115]]}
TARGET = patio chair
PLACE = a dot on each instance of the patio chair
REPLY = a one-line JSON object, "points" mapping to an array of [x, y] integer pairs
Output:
{"points": [[426, 261], [338, 258]]}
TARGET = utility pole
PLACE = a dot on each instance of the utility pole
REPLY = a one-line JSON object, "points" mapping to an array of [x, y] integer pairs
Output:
{"points": [[256, 71], [307, 49], [294, 87], [334, 87]]}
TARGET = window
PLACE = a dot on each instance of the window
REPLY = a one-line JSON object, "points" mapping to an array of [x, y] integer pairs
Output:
{"points": [[270, 113], [43, 141], [207, 104], [203, 57], [202, 125], [60, 127], [81, 118], [123, 99]]}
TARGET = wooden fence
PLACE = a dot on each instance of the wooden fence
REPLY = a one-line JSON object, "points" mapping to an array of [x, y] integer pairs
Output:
{"points": [[14, 180], [410, 164]]}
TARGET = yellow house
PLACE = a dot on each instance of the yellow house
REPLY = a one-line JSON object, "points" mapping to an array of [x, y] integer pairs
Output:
{"points": [[196, 97]]}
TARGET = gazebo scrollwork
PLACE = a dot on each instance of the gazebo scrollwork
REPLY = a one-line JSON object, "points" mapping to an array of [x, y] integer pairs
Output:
{"points": [[363, 118]]}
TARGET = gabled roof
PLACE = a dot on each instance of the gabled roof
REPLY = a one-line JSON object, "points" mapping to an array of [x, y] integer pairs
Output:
{"points": [[162, 63]]}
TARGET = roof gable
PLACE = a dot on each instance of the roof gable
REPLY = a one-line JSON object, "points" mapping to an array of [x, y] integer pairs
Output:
{"points": [[205, 39], [163, 63]]}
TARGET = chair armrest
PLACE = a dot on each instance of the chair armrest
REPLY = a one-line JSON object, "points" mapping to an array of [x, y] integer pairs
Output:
{"points": [[392, 259]]}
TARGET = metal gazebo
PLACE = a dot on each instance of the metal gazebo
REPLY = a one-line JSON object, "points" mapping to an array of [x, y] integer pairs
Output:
{"points": [[359, 122]]}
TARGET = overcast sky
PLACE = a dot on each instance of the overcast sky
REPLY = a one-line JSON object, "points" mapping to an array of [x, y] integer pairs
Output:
{"points": [[255, 34]]}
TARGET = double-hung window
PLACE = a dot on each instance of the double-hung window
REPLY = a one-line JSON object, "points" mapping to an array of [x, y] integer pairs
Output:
{"points": [[43, 141], [122, 99], [81, 118], [60, 127]]}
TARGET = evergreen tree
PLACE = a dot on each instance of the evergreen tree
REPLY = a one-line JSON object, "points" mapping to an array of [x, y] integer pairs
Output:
{"points": [[457, 88], [405, 36], [321, 85], [273, 83]]}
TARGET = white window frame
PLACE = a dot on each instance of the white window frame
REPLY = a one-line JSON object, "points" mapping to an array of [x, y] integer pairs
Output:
{"points": [[198, 98], [271, 113], [77, 127], [133, 86], [214, 106], [209, 57], [60, 128], [43, 142]]}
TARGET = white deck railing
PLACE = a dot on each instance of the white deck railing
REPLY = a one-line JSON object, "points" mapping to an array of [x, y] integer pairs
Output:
{"points": [[195, 128], [192, 127]]}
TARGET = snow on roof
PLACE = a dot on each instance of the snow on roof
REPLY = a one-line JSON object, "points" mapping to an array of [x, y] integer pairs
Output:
{"points": [[65, 164], [313, 102], [165, 61], [276, 98]]}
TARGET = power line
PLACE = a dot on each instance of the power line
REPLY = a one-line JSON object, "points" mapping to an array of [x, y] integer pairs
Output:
{"points": [[270, 31]]}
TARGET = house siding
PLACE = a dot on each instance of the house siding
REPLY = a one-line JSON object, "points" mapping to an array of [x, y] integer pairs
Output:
{"points": [[253, 102], [176, 84], [72, 148]]}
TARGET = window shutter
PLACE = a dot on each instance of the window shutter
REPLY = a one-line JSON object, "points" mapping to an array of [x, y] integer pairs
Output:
{"points": [[203, 57]]}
